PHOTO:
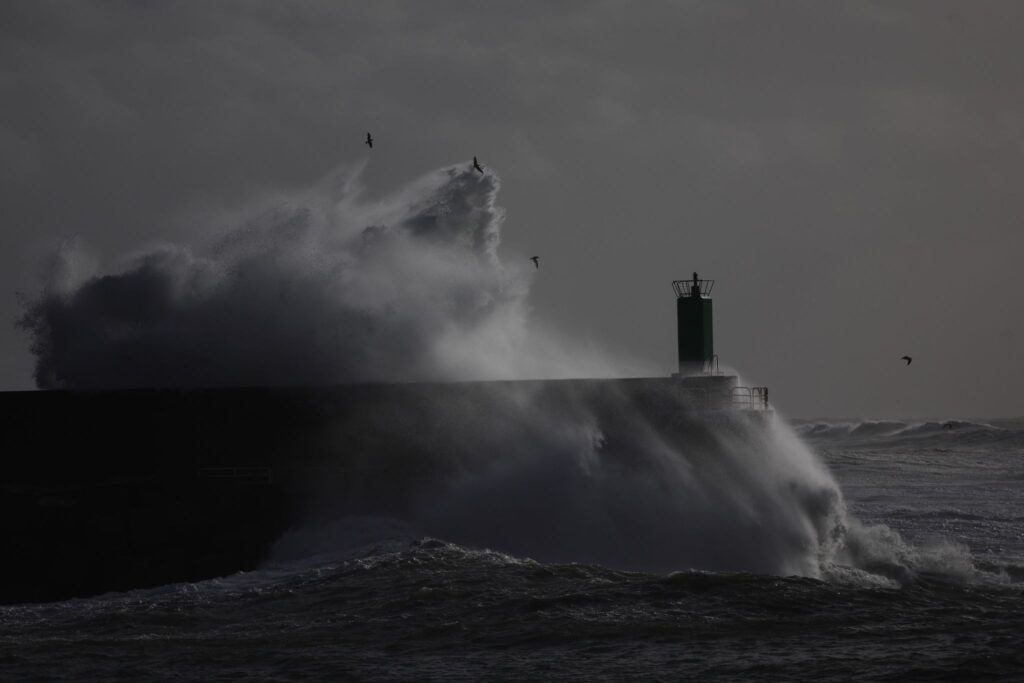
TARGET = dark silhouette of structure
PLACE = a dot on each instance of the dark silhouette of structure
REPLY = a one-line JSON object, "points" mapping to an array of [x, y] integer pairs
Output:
{"points": [[694, 324], [699, 376], [184, 484]]}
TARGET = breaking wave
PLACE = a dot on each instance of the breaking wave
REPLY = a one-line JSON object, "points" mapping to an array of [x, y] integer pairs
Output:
{"points": [[327, 289], [620, 473], [335, 289], [892, 433]]}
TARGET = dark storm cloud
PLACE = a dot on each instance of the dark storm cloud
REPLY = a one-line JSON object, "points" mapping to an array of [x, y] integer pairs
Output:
{"points": [[842, 169]]}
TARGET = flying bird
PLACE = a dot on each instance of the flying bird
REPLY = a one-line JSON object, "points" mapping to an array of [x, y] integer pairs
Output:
{"points": [[908, 359], [369, 140], [477, 166], [536, 261]]}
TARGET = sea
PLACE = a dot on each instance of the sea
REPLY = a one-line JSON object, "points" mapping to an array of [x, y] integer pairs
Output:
{"points": [[922, 580]]}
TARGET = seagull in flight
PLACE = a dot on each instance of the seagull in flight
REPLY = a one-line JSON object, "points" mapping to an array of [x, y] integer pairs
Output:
{"points": [[908, 359], [536, 261], [369, 140], [477, 166]]}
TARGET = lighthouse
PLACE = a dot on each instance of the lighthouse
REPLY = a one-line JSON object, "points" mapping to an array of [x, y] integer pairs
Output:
{"points": [[695, 326], [699, 375]]}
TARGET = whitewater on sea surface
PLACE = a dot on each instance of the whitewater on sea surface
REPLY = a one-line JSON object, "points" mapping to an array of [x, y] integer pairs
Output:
{"points": [[574, 535], [934, 591]]}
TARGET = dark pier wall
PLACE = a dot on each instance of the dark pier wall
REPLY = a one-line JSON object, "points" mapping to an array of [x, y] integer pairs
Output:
{"points": [[117, 490]]}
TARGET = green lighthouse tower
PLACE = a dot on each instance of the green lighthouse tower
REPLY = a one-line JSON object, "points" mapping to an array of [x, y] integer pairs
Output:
{"points": [[694, 324]]}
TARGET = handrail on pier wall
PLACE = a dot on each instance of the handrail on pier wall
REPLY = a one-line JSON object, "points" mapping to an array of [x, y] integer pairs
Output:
{"points": [[750, 398]]}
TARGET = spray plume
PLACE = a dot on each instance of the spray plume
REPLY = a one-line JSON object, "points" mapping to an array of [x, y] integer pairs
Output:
{"points": [[333, 289], [326, 289]]}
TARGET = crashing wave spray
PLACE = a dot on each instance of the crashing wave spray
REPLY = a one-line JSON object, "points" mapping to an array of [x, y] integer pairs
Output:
{"points": [[594, 477], [334, 289], [623, 473], [328, 289]]}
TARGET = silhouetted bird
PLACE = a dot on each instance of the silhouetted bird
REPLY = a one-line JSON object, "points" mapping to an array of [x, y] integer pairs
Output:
{"points": [[369, 140], [536, 260], [908, 359], [477, 166]]}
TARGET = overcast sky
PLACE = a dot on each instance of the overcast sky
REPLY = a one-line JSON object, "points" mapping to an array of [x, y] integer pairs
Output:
{"points": [[849, 173]]}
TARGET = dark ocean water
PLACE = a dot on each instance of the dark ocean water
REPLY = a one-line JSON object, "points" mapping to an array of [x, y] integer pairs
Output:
{"points": [[931, 588]]}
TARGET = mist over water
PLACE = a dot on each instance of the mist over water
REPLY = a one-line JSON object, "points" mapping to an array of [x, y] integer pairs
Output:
{"points": [[333, 288]]}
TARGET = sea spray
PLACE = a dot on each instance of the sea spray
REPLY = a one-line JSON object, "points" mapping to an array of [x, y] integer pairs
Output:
{"points": [[325, 288], [626, 474], [331, 288]]}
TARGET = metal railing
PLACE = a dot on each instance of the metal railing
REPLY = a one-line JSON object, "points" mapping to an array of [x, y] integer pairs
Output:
{"points": [[750, 398], [684, 288]]}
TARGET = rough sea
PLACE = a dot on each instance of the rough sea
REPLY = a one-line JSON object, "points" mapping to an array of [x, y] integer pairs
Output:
{"points": [[930, 586]]}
